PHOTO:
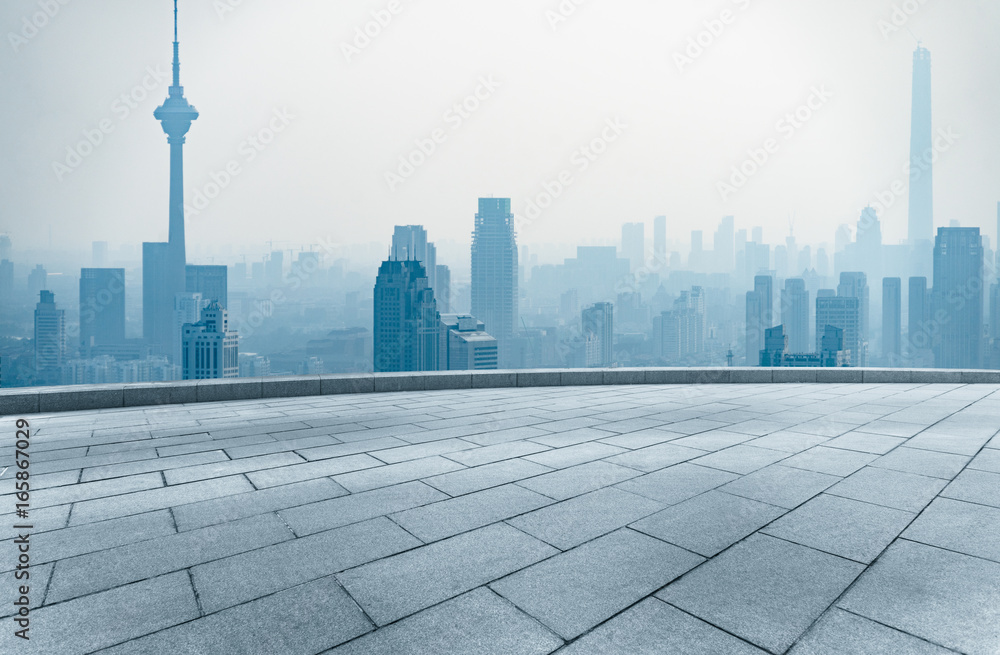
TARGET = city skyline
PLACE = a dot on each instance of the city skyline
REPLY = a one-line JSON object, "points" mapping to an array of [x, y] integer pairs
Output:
{"points": [[622, 189]]}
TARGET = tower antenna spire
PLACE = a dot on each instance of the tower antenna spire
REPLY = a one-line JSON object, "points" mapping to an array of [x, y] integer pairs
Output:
{"points": [[177, 52]]}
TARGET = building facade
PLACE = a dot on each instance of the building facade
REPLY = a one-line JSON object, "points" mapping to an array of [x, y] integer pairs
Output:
{"points": [[494, 274], [211, 350]]}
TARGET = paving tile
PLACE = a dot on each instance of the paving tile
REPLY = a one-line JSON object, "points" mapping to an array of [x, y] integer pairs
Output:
{"points": [[839, 632], [91, 490], [865, 443], [571, 437], [741, 459], [832, 461], [70, 542], [709, 523], [572, 522], [418, 451], [246, 576], [390, 474], [975, 487], [764, 590], [230, 467], [923, 462], [404, 584], [906, 491], [146, 501], [212, 444], [654, 458], [946, 598], [714, 440], [37, 581], [500, 452], [494, 437], [840, 526], [957, 441], [641, 439], [280, 446], [823, 427], [352, 448], [337, 512], [312, 470], [106, 569], [274, 624], [578, 480], [559, 458], [781, 485], [788, 442], [254, 503], [450, 517], [94, 473], [963, 527], [88, 624], [987, 460], [576, 590], [458, 483], [677, 483], [478, 622], [653, 627]]}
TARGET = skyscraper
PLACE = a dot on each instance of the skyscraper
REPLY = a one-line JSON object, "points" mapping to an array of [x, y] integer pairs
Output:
{"points": [[163, 264], [102, 308], [494, 273], [410, 242], [598, 323], [892, 328], [843, 312], [725, 245], [212, 282], [442, 292], [957, 294], [918, 335], [406, 321], [634, 244], [210, 349], [921, 209], [50, 338], [465, 346], [795, 314], [660, 239], [855, 285]]}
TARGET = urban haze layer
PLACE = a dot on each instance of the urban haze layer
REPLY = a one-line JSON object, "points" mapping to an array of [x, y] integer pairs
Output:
{"points": [[720, 296]]}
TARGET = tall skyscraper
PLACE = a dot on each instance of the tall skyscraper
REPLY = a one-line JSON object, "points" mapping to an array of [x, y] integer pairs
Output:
{"points": [[598, 324], [212, 282], [163, 264], [855, 285], [50, 338], [918, 313], [958, 294], [725, 245], [102, 308], [843, 312], [921, 209], [99, 254], [442, 292], [38, 279], [634, 244], [892, 321], [210, 349], [494, 273], [406, 321], [275, 268], [660, 238], [410, 242], [795, 314], [755, 328]]}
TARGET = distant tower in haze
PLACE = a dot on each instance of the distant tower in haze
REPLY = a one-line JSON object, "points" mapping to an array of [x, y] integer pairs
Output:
{"points": [[494, 273], [163, 264], [957, 293], [634, 244], [892, 320], [50, 338], [407, 323], [921, 148], [795, 314], [660, 238]]}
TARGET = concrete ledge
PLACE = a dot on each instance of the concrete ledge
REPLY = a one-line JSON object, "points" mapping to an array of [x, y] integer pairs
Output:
{"points": [[15, 402], [160, 393], [210, 391], [69, 399], [291, 387]]}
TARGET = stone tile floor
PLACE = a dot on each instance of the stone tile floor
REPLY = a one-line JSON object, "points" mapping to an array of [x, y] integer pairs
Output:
{"points": [[803, 519]]}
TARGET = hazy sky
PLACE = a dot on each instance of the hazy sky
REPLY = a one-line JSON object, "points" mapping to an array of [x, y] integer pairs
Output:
{"points": [[551, 88]]}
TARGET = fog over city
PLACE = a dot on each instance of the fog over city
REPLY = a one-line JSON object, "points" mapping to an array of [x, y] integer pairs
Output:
{"points": [[555, 72]]}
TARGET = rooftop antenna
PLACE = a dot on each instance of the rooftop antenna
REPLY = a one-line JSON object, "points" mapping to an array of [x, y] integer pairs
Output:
{"points": [[920, 43]]}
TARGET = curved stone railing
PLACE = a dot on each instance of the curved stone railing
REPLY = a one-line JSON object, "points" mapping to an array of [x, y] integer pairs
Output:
{"points": [[33, 400]]}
